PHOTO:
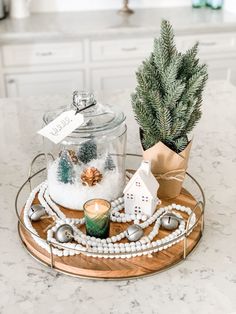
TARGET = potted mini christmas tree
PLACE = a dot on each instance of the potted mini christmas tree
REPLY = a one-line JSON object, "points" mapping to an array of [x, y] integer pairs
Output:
{"points": [[167, 105]]}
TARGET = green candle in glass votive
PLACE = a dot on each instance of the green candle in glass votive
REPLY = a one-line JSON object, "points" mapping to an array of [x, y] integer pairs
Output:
{"points": [[97, 218]]}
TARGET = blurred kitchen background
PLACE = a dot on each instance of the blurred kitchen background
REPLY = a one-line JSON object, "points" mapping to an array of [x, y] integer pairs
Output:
{"points": [[50, 47]]}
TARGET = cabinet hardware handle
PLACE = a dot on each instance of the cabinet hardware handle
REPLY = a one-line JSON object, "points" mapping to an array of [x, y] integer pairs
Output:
{"points": [[207, 43], [129, 49], [11, 81], [44, 54]]}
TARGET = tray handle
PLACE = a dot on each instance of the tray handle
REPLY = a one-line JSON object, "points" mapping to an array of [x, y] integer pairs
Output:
{"points": [[33, 162], [199, 204]]}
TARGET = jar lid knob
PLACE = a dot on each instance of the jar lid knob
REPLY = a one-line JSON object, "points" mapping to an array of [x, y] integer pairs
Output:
{"points": [[83, 100]]}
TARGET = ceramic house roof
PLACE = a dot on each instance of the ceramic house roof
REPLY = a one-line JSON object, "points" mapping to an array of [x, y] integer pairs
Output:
{"points": [[148, 180]]}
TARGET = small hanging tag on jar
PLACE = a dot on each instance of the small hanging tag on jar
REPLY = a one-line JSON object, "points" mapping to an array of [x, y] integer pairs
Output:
{"points": [[62, 126]]}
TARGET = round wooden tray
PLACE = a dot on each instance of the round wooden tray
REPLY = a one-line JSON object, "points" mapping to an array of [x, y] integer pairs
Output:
{"points": [[115, 269]]}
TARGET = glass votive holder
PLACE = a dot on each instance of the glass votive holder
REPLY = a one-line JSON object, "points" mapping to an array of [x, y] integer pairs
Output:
{"points": [[97, 218]]}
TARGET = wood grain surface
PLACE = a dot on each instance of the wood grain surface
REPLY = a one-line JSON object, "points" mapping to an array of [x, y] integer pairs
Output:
{"points": [[100, 268]]}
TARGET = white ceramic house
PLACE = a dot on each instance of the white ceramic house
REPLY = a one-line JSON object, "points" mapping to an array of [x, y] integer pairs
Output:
{"points": [[140, 194]]}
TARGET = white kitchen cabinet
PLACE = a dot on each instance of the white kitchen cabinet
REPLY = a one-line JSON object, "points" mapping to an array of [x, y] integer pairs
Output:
{"points": [[222, 69], [113, 78], [211, 44], [50, 68], [37, 54], [233, 76], [126, 49], [32, 84], [218, 51]]}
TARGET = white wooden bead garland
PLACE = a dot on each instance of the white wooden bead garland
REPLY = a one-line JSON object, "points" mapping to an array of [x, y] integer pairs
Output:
{"points": [[110, 247]]}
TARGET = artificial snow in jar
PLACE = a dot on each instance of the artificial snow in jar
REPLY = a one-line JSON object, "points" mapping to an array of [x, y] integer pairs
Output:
{"points": [[90, 162]]}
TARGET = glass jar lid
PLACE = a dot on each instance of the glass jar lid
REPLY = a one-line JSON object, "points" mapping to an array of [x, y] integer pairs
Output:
{"points": [[97, 117]]}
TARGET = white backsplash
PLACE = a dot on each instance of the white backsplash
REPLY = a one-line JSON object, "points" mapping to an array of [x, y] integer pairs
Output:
{"points": [[80, 5]]}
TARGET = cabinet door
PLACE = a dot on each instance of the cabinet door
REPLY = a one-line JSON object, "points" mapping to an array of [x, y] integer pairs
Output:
{"points": [[53, 83], [114, 78], [233, 76], [223, 69]]}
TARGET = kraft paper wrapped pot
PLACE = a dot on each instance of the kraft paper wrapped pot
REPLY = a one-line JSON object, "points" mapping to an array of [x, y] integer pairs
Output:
{"points": [[168, 167]]}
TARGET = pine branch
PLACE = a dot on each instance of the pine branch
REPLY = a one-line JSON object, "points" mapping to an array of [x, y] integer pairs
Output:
{"points": [[173, 94], [181, 143], [163, 120], [167, 40], [178, 128], [194, 118], [144, 116], [160, 58], [149, 140], [189, 62]]}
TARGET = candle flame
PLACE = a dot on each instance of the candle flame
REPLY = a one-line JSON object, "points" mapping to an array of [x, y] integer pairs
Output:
{"points": [[96, 207]]}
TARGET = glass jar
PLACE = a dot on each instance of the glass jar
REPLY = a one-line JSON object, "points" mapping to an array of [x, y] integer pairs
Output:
{"points": [[90, 162], [217, 4], [198, 3]]}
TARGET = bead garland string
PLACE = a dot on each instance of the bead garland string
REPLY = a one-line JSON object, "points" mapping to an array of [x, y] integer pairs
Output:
{"points": [[42, 243], [106, 248]]}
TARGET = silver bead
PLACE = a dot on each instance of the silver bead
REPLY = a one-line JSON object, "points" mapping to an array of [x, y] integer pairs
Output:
{"points": [[134, 233], [36, 212], [170, 221], [64, 233]]}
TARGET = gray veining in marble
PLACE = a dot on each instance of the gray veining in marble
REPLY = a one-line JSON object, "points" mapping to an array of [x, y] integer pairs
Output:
{"points": [[205, 283], [107, 24]]}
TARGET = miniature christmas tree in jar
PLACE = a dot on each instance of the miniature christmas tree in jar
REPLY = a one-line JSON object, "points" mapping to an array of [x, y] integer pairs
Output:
{"points": [[90, 162]]}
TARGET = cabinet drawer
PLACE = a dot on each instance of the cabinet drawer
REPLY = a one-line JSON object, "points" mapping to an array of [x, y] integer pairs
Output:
{"points": [[120, 49], [22, 55], [49, 83], [213, 44]]}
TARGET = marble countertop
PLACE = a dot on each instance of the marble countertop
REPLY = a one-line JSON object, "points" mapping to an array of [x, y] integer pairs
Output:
{"points": [[103, 24], [204, 283]]}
